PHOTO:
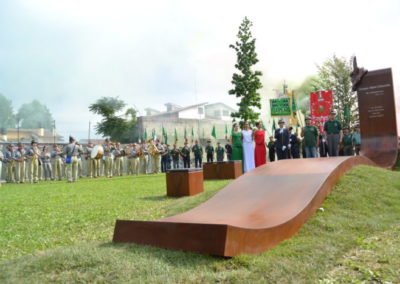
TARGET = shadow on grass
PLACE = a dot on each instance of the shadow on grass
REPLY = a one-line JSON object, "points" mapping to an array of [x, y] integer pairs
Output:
{"points": [[156, 198], [173, 257]]}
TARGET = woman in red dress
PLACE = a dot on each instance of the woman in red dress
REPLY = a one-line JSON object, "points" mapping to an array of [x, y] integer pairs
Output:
{"points": [[260, 152]]}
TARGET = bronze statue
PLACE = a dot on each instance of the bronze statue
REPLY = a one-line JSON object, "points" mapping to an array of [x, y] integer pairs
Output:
{"points": [[357, 75]]}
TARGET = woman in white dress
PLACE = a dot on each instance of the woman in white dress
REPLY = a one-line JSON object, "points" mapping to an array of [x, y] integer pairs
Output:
{"points": [[248, 148]]}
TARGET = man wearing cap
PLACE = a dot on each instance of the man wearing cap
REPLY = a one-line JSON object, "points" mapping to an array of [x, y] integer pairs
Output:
{"points": [[33, 155], [175, 156], [210, 152], [220, 152], [333, 132], [198, 154], [282, 141], [185, 152], [20, 164], [347, 141], [9, 159], [56, 162], [133, 160], [108, 159], [311, 139], [72, 151]]}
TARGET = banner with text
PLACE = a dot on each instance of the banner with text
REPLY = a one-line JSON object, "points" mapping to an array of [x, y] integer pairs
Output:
{"points": [[280, 107], [321, 104]]}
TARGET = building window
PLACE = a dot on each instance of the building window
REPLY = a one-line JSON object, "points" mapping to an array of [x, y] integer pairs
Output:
{"points": [[225, 112], [217, 113], [200, 110]]}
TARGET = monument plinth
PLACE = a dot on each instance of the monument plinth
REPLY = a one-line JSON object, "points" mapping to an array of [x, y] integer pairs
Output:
{"points": [[378, 117], [184, 182]]}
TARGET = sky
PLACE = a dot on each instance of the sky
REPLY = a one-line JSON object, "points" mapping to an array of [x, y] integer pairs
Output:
{"points": [[69, 53]]}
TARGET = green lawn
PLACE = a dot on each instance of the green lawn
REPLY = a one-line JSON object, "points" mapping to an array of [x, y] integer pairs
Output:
{"points": [[58, 232]]}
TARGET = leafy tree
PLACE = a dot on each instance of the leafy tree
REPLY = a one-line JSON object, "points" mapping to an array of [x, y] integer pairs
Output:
{"points": [[7, 117], [113, 126], [302, 93], [246, 82], [335, 74], [35, 115]]}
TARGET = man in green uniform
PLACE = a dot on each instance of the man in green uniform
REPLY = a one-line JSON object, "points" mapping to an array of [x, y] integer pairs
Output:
{"points": [[311, 139], [210, 152], [347, 142], [185, 152], [198, 154], [220, 152], [333, 132], [175, 156], [357, 140]]}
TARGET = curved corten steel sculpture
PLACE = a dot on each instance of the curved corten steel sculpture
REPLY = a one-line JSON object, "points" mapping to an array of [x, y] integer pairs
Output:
{"points": [[270, 203]]}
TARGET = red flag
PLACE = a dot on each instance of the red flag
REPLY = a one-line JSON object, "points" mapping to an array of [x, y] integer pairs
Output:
{"points": [[321, 104]]}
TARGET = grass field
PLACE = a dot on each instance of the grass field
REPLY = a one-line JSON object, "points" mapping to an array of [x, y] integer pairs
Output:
{"points": [[59, 232]]}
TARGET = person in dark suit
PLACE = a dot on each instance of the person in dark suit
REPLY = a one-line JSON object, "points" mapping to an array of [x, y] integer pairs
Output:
{"points": [[294, 145], [282, 141]]}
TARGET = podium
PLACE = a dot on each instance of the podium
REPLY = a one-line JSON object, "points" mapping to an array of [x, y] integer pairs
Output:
{"points": [[184, 182], [222, 170]]}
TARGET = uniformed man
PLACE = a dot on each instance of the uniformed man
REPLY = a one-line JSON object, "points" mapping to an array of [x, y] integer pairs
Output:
{"points": [[1, 162], [71, 152], [57, 162], [46, 162], [271, 149], [220, 152], [228, 150], [357, 140], [118, 160], [198, 154], [165, 158], [143, 153], [348, 146], [311, 139], [9, 159], [185, 153], [294, 145], [108, 159], [133, 160], [282, 141], [33, 155], [80, 163], [209, 152], [20, 163], [156, 162], [175, 153], [333, 133], [93, 164]]}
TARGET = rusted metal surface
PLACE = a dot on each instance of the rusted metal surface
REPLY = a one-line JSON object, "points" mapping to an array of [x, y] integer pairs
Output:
{"points": [[184, 182], [222, 170], [255, 212], [270, 203]]}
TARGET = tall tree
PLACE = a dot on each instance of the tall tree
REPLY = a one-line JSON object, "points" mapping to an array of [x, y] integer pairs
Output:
{"points": [[7, 116], [35, 115], [334, 74], [310, 84], [112, 125], [246, 82]]}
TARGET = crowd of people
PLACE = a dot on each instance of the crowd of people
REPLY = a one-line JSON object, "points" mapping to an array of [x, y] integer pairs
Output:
{"points": [[247, 145]]}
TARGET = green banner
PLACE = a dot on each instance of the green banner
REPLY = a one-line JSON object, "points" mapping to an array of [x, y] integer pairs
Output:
{"points": [[280, 107]]}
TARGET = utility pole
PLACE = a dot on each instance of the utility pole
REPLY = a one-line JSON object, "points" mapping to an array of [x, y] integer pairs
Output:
{"points": [[89, 133], [54, 131]]}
